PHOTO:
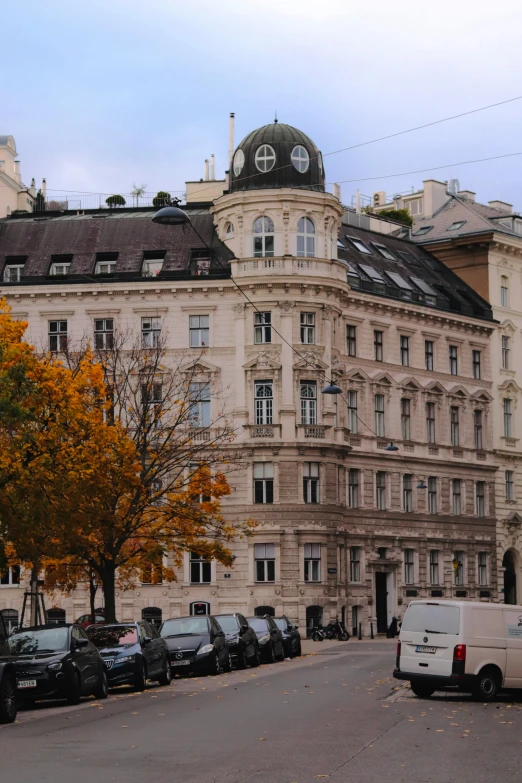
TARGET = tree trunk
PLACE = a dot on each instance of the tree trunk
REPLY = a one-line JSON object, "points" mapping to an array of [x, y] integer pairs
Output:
{"points": [[93, 587], [108, 577]]}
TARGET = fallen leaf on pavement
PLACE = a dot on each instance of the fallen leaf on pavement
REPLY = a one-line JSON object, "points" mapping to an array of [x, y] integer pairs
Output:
{"points": [[261, 739]]}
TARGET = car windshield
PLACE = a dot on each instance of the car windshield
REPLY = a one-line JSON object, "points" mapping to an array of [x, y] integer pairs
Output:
{"points": [[432, 618], [228, 622], [113, 636], [44, 640], [281, 623], [259, 624], [185, 626]]}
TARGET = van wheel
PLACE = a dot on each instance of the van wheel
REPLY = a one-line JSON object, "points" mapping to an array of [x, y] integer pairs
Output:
{"points": [[422, 690], [487, 686]]}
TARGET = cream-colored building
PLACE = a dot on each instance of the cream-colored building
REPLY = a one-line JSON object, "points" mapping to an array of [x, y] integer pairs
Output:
{"points": [[347, 526], [14, 195]]}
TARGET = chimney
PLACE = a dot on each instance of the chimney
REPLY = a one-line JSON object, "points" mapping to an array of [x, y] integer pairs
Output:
{"points": [[434, 196], [206, 169], [44, 187], [17, 170], [212, 169], [230, 139], [358, 201], [502, 205], [337, 191], [466, 194], [32, 189]]}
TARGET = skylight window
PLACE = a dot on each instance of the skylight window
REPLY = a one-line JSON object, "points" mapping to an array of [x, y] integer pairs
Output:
{"points": [[398, 281], [341, 244], [360, 246], [422, 230], [456, 225], [430, 295], [384, 252], [372, 273], [352, 276], [408, 258]]}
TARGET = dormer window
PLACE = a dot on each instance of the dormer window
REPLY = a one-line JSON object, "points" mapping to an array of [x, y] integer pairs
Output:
{"points": [[152, 263], [305, 238], [60, 265], [300, 158], [200, 263], [13, 269], [106, 263], [265, 158]]}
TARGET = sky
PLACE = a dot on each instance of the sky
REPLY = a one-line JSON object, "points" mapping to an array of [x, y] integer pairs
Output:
{"points": [[104, 94]]}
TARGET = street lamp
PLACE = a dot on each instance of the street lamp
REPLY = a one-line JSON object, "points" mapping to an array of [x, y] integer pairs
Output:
{"points": [[422, 484], [171, 216], [331, 388], [391, 447]]}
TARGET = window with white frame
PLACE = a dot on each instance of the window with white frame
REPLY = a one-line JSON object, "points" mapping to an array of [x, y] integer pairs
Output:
{"points": [[480, 498], [355, 564], [406, 419], [456, 496], [509, 484], [430, 422], [405, 351], [264, 557], [263, 402], [454, 425], [308, 402], [151, 394], [434, 567], [305, 238], [506, 351], [265, 158], [477, 429], [508, 423], [307, 324], [13, 273], [482, 558], [103, 334], [200, 569], [351, 340], [407, 492], [476, 362], [458, 567], [199, 331], [428, 354], [60, 268], [432, 495], [453, 360], [57, 336], [311, 482], [238, 162], [150, 332], [409, 567], [378, 345], [263, 231], [353, 487], [106, 266], [10, 577], [504, 291], [300, 158], [380, 490], [199, 404], [312, 562], [379, 415], [262, 328], [353, 421], [152, 267], [263, 482]]}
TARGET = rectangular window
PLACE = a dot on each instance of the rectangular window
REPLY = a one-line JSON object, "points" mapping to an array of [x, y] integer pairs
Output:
{"points": [[264, 556], [10, 577], [13, 273], [508, 480], [380, 490], [458, 567], [405, 419], [263, 402], [311, 482], [199, 334], [476, 358], [353, 488], [453, 360], [308, 328], [428, 354], [379, 415], [150, 332], [482, 568], [407, 492], [263, 482], [454, 425], [353, 421], [409, 567], [355, 564], [199, 404], [504, 292], [308, 402], [456, 498], [351, 340], [104, 334], [151, 394], [57, 336], [480, 500], [60, 268], [477, 429], [105, 267], [152, 267], [432, 495], [262, 328], [312, 562], [430, 422], [378, 345], [434, 566], [405, 351], [200, 570], [508, 426], [506, 350]]}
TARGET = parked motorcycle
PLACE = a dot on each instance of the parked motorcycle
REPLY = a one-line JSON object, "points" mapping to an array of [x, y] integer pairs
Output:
{"points": [[336, 630], [319, 634]]}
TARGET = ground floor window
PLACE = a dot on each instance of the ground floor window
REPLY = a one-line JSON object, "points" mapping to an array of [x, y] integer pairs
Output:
{"points": [[314, 618], [10, 618], [56, 616], [153, 615], [260, 611], [199, 607]]}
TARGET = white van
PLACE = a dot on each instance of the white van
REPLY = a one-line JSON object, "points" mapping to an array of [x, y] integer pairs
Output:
{"points": [[475, 646]]}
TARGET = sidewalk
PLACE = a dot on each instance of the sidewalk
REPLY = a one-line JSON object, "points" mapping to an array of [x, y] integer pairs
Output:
{"points": [[308, 646]]}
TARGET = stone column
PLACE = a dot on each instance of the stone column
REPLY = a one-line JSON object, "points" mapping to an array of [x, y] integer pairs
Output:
{"points": [[287, 410], [241, 407]]}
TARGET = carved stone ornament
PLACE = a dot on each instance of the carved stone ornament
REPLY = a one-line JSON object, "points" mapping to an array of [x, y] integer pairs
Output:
{"points": [[286, 306], [239, 308]]}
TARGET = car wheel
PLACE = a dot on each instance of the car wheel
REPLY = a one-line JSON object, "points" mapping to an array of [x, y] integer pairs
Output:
{"points": [[487, 686], [270, 657], [140, 679], [214, 668], [241, 658], [422, 689], [228, 665], [256, 658], [7, 700], [102, 691], [75, 690], [166, 676]]}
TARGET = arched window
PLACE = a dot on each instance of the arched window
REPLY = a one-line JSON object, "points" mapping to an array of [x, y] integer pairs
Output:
{"points": [[152, 614], [265, 158], [10, 618], [300, 158], [230, 228], [504, 291], [56, 616], [263, 231], [199, 607], [306, 238], [260, 611], [239, 162]]}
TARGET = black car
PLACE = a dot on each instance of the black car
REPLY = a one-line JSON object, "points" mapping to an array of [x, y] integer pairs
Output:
{"points": [[291, 636], [57, 661], [132, 653], [241, 638], [7, 679], [269, 637], [196, 644]]}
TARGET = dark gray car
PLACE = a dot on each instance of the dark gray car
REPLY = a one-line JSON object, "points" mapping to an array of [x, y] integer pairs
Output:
{"points": [[269, 637], [7, 679], [241, 638]]}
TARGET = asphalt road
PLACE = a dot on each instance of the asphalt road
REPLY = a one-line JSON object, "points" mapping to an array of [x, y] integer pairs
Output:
{"points": [[333, 716]]}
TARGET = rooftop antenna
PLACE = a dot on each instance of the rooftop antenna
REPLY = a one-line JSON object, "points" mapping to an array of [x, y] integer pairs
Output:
{"points": [[230, 139]]}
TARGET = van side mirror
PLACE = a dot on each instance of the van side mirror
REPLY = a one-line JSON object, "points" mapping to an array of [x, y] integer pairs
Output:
{"points": [[147, 640], [79, 643]]}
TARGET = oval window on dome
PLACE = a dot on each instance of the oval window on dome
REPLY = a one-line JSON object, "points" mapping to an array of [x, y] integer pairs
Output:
{"points": [[265, 158], [300, 158], [239, 162], [320, 163]]}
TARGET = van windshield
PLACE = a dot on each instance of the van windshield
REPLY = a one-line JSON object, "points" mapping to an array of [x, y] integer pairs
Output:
{"points": [[434, 618]]}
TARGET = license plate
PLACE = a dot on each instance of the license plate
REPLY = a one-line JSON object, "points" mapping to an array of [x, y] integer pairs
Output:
{"points": [[27, 683], [423, 648], [179, 663]]}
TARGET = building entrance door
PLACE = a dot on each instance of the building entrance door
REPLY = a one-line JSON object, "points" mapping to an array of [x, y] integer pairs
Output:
{"points": [[381, 601], [510, 578]]}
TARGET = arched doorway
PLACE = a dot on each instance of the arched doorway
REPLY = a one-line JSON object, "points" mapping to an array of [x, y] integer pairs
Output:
{"points": [[199, 607], [314, 618], [509, 564], [260, 611], [56, 616], [10, 617], [152, 614]]}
